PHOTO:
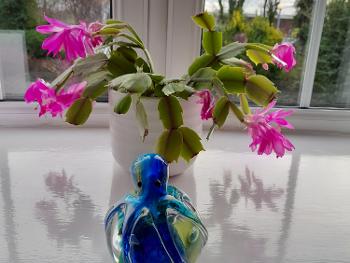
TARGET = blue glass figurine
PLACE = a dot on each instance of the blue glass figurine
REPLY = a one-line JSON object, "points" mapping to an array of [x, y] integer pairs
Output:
{"points": [[157, 223]]}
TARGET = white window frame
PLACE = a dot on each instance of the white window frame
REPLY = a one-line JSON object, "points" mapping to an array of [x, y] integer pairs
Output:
{"points": [[174, 41], [313, 46], [1, 90]]}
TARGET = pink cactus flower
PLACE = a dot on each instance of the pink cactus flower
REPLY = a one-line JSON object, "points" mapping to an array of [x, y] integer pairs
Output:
{"points": [[93, 28], [265, 130], [284, 56], [75, 40], [50, 102], [73, 92], [207, 101]]}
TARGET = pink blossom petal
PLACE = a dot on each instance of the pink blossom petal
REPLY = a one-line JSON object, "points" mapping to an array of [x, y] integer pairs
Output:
{"points": [[265, 131], [73, 93], [281, 113], [207, 101], [75, 40], [47, 29], [268, 107], [55, 22], [52, 44], [261, 148], [284, 56], [50, 102], [54, 26]]}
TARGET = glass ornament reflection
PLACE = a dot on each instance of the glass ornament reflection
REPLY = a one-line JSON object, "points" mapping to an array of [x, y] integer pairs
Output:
{"points": [[155, 223]]}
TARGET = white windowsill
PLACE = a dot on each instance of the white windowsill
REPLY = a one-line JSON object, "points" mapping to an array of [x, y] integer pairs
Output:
{"points": [[20, 114]]}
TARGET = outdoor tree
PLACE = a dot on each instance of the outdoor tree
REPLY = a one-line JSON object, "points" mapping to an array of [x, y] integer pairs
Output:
{"points": [[270, 10], [235, 5], [332, 47], [302, 22], [221, 11], [255, 30], [27, 14], [22, 14], [72, 11], [79, 9]]}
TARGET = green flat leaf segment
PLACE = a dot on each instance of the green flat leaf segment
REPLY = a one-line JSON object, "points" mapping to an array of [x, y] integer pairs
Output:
{"points": [[79, 112], [260, 90], [156, 78], [244, 103], [191, 143], [258, 57], [231, 50], [142, 119], [170, 112], [128, 53], [221, 111], [97, 84], [169, 145], [237, 112], [259, 46], [203, 78], [109, 31], [233, 79], [203, 61], [236, 62], [119, 63], [123, 105], [141, 63], [176, 87], [205, 21], [132, 83], [63, 77], [203, 75], [90, 64], [113, 21], [212, 42]]}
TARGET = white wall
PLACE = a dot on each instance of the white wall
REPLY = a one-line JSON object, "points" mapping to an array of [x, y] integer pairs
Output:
{"points": [[167, 30]]}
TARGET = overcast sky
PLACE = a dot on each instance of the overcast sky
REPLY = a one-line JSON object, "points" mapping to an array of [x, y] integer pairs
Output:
{"points": [[253, 6]]}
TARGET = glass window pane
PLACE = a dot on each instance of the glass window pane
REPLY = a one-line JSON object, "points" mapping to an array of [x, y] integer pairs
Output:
{"points": [[332, 79], [268, 22], [21, 58]]}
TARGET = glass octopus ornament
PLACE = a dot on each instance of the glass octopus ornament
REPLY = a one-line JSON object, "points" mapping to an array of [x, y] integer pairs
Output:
{"points": [[156, 223]]}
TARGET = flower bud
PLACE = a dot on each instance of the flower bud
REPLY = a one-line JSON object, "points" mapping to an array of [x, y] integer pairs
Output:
{"points": [[283, 56]]}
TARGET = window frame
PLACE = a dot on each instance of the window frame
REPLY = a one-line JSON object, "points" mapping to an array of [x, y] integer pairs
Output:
{"points": [[164, 32], [313, 47]]}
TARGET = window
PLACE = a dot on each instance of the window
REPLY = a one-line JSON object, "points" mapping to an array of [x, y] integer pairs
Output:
{"points": [[268, 22], [271, 21], [332, 79], [319, 30], [21, 58]]}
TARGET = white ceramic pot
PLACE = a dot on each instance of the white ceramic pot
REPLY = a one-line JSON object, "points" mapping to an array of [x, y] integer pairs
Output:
{"points": [[126, 140]]}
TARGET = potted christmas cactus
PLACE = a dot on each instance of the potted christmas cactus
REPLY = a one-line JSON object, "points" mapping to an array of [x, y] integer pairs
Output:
{"points": [[111, 57]]}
